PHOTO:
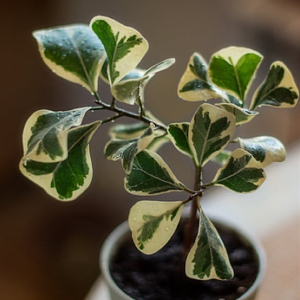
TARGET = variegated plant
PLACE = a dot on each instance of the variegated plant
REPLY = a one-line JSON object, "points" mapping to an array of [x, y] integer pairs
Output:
{"points": [[56, 144]]}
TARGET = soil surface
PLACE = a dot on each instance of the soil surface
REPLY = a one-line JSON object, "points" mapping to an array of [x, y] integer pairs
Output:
{"points": [[161, 276]]}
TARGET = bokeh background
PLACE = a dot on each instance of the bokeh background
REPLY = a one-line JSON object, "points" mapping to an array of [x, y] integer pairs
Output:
{"points": [[49, 250]]}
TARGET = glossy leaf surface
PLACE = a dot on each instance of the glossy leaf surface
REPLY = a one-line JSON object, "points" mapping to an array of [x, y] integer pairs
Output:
{"points": [[208, 258], [67, 179], [241, 174], [45, 135], [211, 129], [278, 89], [153, 223], [125, 47], [265, 149], [72, 52], [151, 175], [233, 69]]}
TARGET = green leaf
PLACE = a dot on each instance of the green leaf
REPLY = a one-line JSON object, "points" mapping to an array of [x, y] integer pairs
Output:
{"points": [[278, 89], [45, 134], [67, 179], [179, 137], [265, 149], [131, 90], [158, 142], [211, 129], [242, 115], [222, 157], [125, 47], [233, 69], [127, 131], [150, 175], [153, 223], [127, 149], [241, 174], [208, 258], [194, 85], [72, 52]]}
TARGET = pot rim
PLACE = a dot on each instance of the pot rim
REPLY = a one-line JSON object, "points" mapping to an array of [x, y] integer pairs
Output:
{"points": [[121, 232]]}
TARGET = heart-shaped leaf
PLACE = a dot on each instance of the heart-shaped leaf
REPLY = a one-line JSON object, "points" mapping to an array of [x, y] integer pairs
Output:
{"points": [[67, 179], [153, 223], [125, 47], [265, 149], [278, 89], [208, 258], [233, 69], [211, 129], [45, 134], [241, 174], [72, 52]]}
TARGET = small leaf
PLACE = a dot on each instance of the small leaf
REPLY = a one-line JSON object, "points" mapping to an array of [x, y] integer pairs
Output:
{"points": [[233, 69], [278, 89], [241, 174], [179, 137], [130, 90], [150, 175], [125, 47], [222, 157], [72, 52], [158, 142], [127, 149], [45, 134], [208, 258], [153, 223], [194, 85], [67, 179], [265, 149], [127, 131], [242, 115], [211, 129]]}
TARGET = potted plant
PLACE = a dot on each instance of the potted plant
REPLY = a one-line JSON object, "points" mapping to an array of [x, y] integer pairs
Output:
{"points": [[56, 149]]}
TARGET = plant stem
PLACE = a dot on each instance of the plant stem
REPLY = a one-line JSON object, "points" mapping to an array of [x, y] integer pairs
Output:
{"points": [[125, 113], [190, 231]]}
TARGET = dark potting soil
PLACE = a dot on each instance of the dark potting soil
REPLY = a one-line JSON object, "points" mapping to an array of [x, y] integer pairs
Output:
{"points": [[161, 276]]}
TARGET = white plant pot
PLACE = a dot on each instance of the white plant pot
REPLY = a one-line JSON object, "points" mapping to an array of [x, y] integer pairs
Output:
{"points": [[122, 233]]}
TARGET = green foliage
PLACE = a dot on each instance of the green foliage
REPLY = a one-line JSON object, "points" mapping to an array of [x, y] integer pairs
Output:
{"points": [[56, 144], [208, 258]]}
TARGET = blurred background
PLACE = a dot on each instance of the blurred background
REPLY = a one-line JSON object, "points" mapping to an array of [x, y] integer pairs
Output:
{"points": [[49, 250]]}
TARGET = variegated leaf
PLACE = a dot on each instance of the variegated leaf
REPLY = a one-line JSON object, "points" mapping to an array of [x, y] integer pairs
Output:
{"points": [[242, 115], [67, 179], [179, 137], [208, 258], [278, 89], [127, 131], [194, 85], [72, 52], [130, 90], [241, 174], [265, 149], [158, 142], [127, 149], [45, 134], [153, 223], [211, 129], [150, 175], [222, 157], [233, 69], [125, 47]]}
